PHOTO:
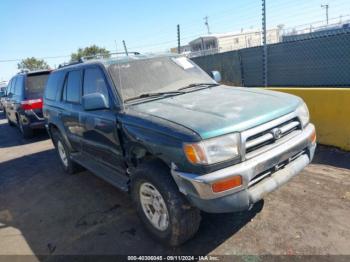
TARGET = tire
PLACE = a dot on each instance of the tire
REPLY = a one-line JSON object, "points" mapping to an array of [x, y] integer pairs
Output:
{"points": [[25, 130], [68, 165], [183, 219], [8, 120]]}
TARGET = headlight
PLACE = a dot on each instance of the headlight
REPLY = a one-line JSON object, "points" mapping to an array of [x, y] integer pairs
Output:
{"points": [[303, 114], [213, 150]]}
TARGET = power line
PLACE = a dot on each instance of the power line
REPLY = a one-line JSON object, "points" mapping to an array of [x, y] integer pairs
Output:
{"points": [[20, 59]]}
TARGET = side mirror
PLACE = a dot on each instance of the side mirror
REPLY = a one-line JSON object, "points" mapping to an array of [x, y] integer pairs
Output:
{"points": [[216, 76], [95, 101]]}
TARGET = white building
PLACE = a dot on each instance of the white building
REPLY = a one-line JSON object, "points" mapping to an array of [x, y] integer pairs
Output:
{"points": [[217, 43]]}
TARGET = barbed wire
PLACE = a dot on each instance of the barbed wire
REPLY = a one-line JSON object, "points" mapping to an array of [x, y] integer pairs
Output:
{"points": [[222, 20]]}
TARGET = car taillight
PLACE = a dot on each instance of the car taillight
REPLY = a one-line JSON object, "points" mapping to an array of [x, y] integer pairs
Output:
{"points": [[32, 104]]}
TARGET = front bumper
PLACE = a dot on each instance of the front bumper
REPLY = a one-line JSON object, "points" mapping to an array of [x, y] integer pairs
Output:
{"points": [[295, 154]]}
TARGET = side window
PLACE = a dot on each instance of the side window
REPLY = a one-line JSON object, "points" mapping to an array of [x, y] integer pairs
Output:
{"points": [[72, 87], [10, 89], [94, 82], [18, 87], [53, 83]]}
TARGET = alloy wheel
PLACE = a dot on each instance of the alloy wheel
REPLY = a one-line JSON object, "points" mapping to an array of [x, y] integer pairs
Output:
{"points": [[154, 207]]}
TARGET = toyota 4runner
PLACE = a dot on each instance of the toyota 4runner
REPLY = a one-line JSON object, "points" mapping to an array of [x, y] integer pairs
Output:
{"points": [[162, 129]]}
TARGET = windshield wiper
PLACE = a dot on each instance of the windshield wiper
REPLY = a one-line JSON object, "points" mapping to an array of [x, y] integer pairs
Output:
{"points": [[198, 85], [146, 95]]}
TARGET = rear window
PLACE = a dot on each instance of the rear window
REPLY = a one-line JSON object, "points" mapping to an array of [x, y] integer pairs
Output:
{"points": [[35, 85]]}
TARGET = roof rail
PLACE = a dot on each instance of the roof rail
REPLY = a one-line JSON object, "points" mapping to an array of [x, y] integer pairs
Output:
{"points": [[23, 70], [102, 56], [70, 63], [96, 56]]}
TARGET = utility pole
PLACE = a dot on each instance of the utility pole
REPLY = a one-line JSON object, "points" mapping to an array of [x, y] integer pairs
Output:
{"points": [[264, 42], [206, 22], [326, 7], [125, 49], [178, 40]]}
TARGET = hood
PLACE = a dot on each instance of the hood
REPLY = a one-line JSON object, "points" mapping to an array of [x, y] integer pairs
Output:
{"points": [[220, 110]]}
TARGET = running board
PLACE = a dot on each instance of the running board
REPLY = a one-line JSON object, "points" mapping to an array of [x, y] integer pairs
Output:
{"points": [[111, 176]]}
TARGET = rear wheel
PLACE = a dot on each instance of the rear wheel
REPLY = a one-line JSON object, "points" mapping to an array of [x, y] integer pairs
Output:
{"points": [[164, 211], [64, 154], [8, 119], [26, 131]]}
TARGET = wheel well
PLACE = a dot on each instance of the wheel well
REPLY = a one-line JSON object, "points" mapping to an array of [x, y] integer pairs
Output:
{"points": [[139, 155], [53, 128]]}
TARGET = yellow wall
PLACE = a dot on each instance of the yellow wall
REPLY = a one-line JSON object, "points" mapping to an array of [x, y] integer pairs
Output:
{"points": [[330, 112]]}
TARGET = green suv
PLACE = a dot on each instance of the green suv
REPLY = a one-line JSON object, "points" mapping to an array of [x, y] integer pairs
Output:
{"points": [[163, 130]]}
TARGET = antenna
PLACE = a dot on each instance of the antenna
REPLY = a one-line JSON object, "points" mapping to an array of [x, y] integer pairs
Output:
{"points": [[206, 22], [125, 49]]}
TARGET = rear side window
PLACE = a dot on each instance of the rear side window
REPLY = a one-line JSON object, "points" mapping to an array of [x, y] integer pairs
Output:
{"points": [[18, 87], [73, 87], [94, 82], [9, 86], [53, 83], [35, 85]]}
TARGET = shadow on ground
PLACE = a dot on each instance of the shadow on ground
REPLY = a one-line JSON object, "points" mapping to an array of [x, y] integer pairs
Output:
{"points": [[58, 213], [16, 138], [326, 155]]}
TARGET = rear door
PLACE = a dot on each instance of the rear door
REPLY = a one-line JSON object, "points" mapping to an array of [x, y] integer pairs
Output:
{"points": [[35, 85], [34, 90], [100, 137], [71, 99]]}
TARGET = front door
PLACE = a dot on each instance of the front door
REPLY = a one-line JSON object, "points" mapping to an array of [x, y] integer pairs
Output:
{"points": [[71, 98], [100, 138]]}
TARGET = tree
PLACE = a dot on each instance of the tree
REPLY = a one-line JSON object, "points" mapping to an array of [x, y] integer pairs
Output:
{"points": [[89, 51], [33, 63]]}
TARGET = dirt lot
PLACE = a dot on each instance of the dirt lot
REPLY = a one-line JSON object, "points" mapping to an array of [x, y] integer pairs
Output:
{"points": [[44, 211]]}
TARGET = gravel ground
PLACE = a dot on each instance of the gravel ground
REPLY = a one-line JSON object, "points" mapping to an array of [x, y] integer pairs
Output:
{"points": [[44, 211]]}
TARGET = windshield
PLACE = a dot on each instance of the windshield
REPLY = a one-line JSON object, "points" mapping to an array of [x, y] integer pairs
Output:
{"points": [[163, 74]]}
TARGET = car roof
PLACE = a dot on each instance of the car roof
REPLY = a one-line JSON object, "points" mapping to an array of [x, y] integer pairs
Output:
{"points": [[113, 60]]}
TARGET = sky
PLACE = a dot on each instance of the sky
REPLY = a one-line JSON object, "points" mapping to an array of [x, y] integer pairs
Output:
{"points": [[54, 29]]}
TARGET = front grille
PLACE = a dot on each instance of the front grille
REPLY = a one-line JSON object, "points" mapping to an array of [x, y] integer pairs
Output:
{"points": [[267, 137], [267, 173]]}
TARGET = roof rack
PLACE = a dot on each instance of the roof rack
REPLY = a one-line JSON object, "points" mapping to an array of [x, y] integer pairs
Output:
{"points": [[69, 63], [103, 56], [23, 71], [96, 56]]}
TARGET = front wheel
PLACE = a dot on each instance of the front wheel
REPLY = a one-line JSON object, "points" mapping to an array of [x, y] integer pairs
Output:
{"points": [[164, 211]]}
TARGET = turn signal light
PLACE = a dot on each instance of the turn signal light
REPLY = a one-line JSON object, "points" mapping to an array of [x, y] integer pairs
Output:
{"points": [[194, 153], [313, 137], [226, 184]]}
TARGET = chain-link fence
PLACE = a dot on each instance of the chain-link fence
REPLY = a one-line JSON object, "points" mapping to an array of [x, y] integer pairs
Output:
{"points": [[315, 54]]}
